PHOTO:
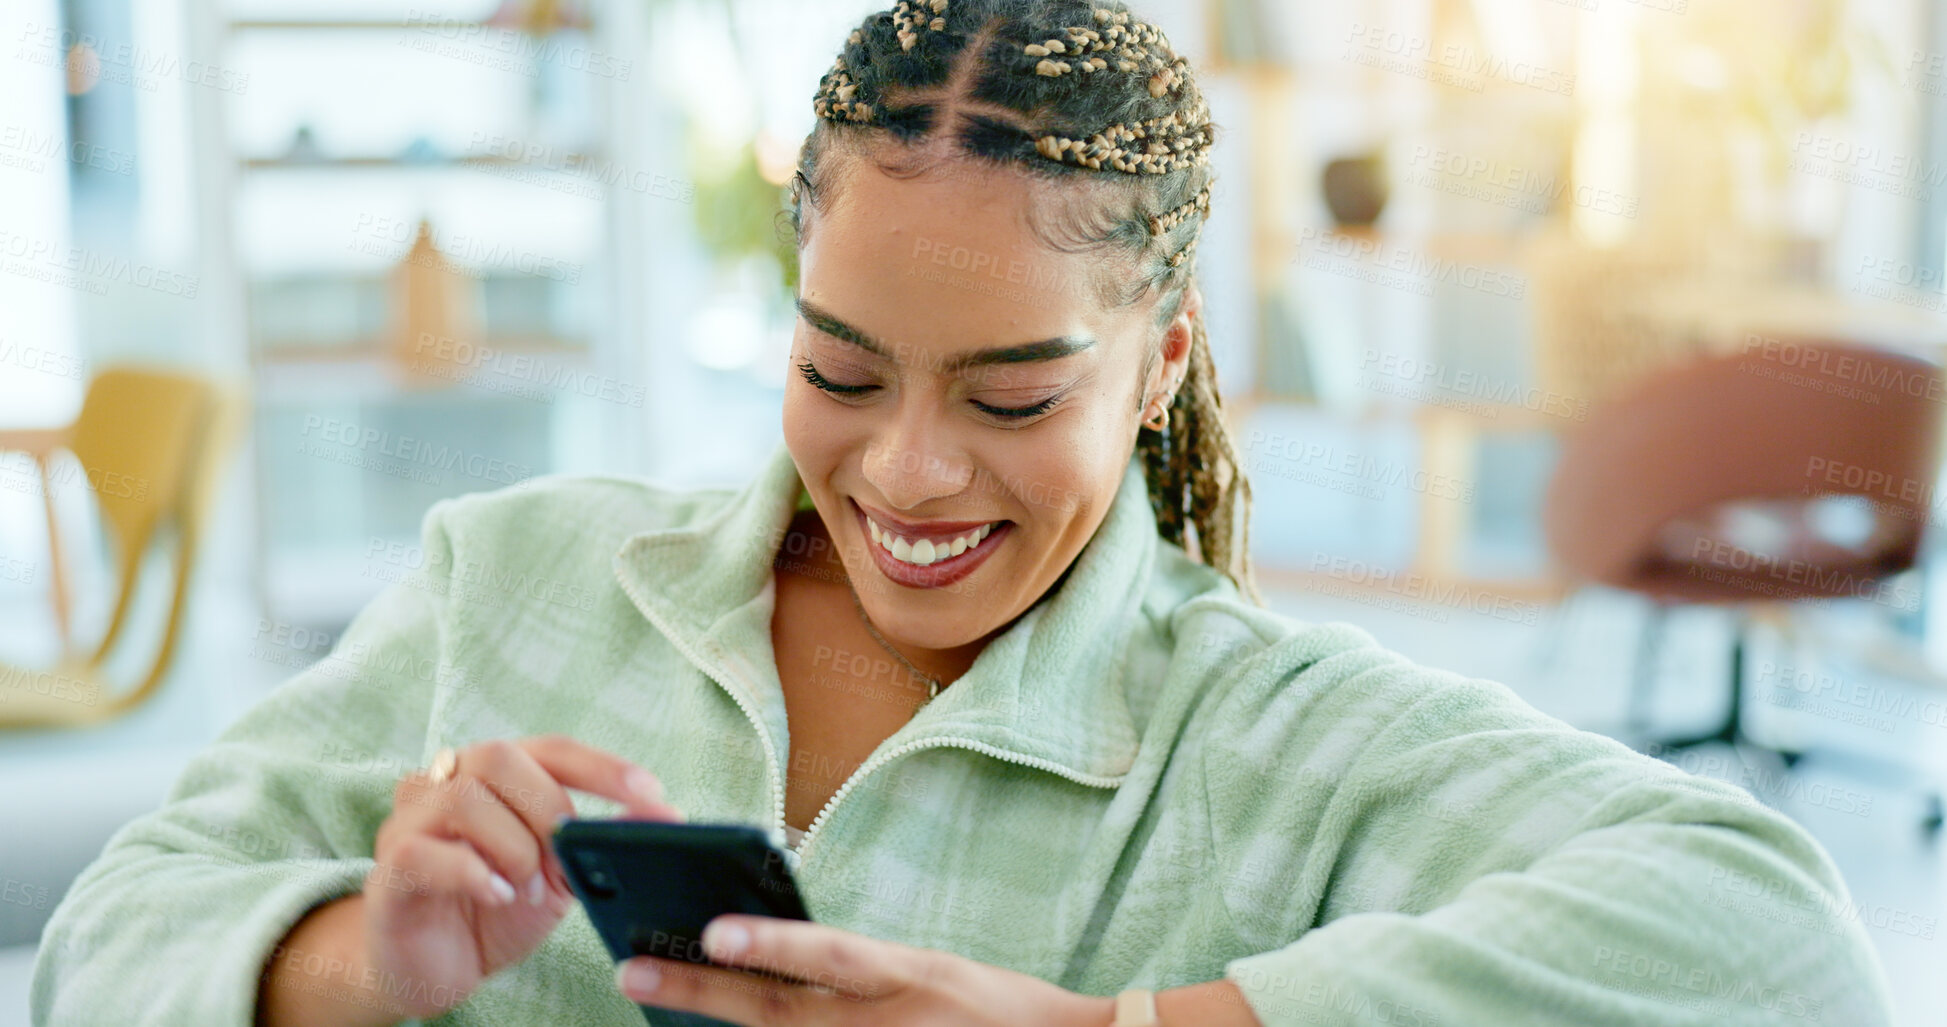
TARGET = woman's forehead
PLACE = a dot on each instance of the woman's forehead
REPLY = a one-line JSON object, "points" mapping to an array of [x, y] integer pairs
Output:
{"points": [[953, 254]]}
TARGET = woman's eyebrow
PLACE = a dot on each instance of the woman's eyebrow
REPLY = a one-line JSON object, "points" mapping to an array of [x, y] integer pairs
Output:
{"points": [[1027, 352]]}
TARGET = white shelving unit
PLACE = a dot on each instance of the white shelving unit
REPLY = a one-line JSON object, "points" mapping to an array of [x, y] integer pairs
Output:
{"points": [[359, 119]]}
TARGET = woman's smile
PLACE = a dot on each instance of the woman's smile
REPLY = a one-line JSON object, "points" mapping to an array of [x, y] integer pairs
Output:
{"points": [[930, 555]]}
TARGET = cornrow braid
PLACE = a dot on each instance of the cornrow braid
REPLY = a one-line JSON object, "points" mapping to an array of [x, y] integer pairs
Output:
{"points": [[911, 17], [1092, 90]]}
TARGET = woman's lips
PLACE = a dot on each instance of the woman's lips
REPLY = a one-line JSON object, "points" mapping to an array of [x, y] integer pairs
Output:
{"points": [[940, 573]]}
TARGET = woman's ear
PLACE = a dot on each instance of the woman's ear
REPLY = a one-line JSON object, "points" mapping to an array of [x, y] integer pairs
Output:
{"points": [[1178, 336]]}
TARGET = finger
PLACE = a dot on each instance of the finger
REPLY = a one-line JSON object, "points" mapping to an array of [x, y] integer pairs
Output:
{"points": [[848, 963], [598, 773], [451, 868], [521, 784], [724, 994], [481, 819]]}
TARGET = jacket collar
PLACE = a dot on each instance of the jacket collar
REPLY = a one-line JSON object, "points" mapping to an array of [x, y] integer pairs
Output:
{"points": [[1050, 688]]}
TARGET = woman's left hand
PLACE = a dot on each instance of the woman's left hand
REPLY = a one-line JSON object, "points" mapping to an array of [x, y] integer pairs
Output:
{"points": [[838, 977]]}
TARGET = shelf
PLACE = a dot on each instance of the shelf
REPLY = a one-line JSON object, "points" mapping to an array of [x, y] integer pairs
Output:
{"points": [[375, 25], [573, 163], [299, 377], [351, 351], [354, 25], [1505, 248]]}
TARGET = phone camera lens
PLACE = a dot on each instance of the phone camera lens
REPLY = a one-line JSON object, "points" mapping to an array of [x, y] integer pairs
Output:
{"points": [[596, 875]]}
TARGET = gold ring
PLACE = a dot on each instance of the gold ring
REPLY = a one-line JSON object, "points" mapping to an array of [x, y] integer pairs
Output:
{"points": [[445, 763]]}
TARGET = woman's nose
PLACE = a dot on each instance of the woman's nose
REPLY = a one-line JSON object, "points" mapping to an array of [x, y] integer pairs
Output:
{"points": [[908, 475]]}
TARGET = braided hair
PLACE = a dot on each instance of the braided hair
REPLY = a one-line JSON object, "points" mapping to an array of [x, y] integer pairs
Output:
{"points": [[1094, 96]]}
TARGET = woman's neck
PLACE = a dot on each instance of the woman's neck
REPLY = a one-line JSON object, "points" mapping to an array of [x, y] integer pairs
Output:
{"points": [[807, 535]]}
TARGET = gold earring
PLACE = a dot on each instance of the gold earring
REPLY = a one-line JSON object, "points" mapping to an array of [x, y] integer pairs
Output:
{"points": [[1164, 415]]}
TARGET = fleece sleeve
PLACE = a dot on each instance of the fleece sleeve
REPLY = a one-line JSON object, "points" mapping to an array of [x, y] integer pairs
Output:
{"points": [[174, 921], [1457, 857]]}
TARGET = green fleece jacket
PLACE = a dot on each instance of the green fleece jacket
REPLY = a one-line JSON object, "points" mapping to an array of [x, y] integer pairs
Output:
{"points": [[1145, 781]]}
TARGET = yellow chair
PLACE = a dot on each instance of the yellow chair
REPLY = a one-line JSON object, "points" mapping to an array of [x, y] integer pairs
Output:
{"points": [[150, 444]]}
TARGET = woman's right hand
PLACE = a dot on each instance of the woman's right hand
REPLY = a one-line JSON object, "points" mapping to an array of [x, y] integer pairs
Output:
{"points": [[467, 881]]}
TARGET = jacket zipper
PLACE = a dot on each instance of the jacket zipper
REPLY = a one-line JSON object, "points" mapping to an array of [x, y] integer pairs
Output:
{"points": [[763, 734], [955, 741]]}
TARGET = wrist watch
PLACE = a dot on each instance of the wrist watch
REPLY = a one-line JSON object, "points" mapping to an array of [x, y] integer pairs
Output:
{"points": [[1135, 1007]]}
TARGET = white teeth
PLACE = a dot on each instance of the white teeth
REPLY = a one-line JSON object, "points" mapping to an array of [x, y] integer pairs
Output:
{"points": [[925, 552]]}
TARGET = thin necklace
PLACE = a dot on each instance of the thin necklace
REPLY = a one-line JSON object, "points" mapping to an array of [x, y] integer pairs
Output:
{"points": [[932, 683]]}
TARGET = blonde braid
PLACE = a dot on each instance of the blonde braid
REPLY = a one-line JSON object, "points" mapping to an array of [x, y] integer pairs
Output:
{"points": [[1194, 468]]}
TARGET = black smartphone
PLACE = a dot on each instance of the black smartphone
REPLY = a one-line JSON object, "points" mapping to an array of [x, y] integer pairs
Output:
{"points": [[650, 886]]}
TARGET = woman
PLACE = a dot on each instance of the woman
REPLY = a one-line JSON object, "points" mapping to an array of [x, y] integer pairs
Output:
{"points": [[951, 645]]}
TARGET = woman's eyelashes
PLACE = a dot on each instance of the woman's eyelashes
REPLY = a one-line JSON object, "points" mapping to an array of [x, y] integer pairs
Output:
{"points": [[817, 380], [811, 375], [1019, 413]]}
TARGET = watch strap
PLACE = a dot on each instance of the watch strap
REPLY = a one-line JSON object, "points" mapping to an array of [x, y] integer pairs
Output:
{"points": [[1135, 1007]]}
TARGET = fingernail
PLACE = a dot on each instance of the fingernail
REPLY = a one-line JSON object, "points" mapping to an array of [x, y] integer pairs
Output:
{"points": [[643, 783], [502, 891], [537, 889], [725, 938], [637, 977]]}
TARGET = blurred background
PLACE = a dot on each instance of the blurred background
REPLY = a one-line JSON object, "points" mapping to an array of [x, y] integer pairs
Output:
{"points": [[1590, 346]]}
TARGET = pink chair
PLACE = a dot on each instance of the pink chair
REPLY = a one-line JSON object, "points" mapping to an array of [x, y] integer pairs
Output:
{"points": [[1710, 482]]}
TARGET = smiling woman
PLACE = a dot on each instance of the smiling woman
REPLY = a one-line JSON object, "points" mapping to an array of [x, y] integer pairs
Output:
{"points": [[980, 645]]}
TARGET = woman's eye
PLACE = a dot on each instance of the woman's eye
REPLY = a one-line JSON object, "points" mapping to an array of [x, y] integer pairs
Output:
{"points": [[1020, 413], [811, 375]]}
